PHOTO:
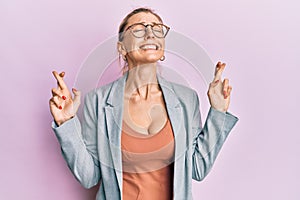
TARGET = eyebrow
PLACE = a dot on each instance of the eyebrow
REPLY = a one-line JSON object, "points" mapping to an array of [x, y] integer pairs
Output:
{"points": [[145, 23], [150, 22], [142, 23]]}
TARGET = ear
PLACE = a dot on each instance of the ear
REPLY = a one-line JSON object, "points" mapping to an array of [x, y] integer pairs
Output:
{"points": [[121, 49]]}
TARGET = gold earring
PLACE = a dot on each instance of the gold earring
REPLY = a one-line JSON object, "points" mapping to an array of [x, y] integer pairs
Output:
{"points": [[162, 58]]}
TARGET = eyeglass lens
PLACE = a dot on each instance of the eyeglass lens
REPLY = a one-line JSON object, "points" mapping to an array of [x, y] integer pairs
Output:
{"points": [[139, 30]]}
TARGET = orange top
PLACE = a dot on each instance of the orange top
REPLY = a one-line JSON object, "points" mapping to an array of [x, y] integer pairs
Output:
{"points": [[147, 162]]}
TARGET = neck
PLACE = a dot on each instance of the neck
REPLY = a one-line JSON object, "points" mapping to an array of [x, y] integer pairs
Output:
{"points": [[141, 81]]}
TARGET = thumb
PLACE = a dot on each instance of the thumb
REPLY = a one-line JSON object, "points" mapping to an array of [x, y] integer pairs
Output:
{"points": [[76, 99]]}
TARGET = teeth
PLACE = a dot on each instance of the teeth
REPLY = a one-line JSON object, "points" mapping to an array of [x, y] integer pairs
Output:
{"points": [[149, 46]]}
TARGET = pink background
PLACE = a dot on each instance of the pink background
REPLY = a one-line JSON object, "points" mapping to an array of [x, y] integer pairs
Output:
{"points": [[259, 41]]}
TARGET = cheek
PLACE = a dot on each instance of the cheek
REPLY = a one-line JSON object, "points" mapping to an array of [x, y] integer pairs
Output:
{"points": [[131, 45]]}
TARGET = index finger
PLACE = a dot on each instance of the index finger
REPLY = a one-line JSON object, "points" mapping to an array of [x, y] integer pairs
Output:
{"points": [[60, 82], [219, 70]]}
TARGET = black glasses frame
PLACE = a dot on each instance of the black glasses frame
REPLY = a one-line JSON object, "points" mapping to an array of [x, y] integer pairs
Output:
{"points": [[145, 28]]}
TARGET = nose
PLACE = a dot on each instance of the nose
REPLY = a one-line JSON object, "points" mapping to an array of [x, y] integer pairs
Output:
{"points": [[149, 32]]}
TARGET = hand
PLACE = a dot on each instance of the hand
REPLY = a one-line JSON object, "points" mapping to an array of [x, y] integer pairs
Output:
{"points": [[62, 106], [219, 91]]}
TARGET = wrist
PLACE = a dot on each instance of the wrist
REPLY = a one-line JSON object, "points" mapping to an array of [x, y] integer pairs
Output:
{"points": [[60, 122], [224, 110]]}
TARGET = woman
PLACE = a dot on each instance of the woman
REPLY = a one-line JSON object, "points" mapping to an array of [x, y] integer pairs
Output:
{"points": [[141, 136]]}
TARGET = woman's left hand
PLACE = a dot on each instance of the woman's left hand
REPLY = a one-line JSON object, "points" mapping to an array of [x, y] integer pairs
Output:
{"points": [[219, 91]]}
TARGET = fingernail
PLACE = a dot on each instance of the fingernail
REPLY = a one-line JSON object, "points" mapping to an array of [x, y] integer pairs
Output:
{"points": [[216, 81], [60, 107], [74, 89], [64, 98]]}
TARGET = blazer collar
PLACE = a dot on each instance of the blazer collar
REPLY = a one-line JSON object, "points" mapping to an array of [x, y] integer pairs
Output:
{"points": [[115, 97]]}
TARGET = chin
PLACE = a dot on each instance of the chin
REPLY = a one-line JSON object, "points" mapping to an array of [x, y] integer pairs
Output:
{"points": [[147, 58], [151, 60], [153, 57]]}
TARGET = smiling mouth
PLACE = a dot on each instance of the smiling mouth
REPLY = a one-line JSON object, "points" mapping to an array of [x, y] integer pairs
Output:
{"points": [[149, 47]]}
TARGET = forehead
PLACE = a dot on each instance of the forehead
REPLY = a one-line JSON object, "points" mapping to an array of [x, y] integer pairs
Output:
{"points": [[142, 17]]}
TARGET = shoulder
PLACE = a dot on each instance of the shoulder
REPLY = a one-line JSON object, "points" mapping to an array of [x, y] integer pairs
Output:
{"points": [[104, 90], [181, 91]]}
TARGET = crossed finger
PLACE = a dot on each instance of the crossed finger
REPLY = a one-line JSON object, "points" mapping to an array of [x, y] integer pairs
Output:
{"points": [[219, 70], [60, 82]]}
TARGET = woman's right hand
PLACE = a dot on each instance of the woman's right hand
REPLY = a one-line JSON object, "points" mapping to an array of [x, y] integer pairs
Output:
{"points": [[62, 106]]}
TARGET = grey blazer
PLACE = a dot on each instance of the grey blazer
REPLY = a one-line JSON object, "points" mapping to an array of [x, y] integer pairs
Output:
{"points": [[92, 148]]}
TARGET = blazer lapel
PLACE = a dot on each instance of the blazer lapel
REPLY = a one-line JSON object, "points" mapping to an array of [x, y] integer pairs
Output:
{"points": [[173, 105], [175, 113], [114, 114]]}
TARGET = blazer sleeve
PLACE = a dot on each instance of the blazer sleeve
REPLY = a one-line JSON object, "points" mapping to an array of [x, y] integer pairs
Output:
{"points": [[79, 144], [207, 141]]}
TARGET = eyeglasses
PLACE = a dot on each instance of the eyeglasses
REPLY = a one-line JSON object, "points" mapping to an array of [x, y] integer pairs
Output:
{"points": [[139, 30]]}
